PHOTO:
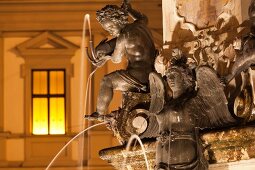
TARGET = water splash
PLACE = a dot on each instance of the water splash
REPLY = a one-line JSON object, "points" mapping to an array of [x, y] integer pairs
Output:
{"points": [[86, 100], [86, 29], [128, 147], [83, 110], [84, 97], [57, 155]]}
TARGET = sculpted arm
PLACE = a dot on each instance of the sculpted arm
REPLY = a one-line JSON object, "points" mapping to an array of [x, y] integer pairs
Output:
{"points": [[104, 51], [136, 15], [105, 47], [119, 50]]}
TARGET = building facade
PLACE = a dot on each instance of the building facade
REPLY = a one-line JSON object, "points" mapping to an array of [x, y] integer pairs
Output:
{"points": [[42, 82]]}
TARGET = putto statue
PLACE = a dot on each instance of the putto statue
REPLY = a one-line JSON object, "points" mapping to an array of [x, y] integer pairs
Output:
{"points": [[187, 97], [132, 40]]}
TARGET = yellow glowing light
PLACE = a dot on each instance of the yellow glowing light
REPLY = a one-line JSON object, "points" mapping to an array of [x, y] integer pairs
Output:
{"points": [[57, 115], [56, 82], [40, 116], [40, 82], [48, 102]]}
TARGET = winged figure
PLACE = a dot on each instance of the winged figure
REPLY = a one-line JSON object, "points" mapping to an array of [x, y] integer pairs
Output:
{"points": [[187, 100]]}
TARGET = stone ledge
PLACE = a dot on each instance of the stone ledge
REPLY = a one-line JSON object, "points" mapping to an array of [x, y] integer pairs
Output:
{"points": [[59, 168], [225, 149], [239, 165]]}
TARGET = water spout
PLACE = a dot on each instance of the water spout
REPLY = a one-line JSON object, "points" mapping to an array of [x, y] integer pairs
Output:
{"points": [[128, 147], [57, 155], [89, 44], [85, 95]]}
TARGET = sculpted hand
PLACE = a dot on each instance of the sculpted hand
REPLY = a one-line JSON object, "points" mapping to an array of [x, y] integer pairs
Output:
{"points": [[102, 53], [126, 5], [102, 59]]}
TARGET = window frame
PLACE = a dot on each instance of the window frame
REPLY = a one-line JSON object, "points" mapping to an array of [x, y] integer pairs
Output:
{"points": [[35, 56], [48, 96]]}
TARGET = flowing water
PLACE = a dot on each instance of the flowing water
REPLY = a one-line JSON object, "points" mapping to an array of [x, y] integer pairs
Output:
{"points": [[128, 148], [85, 95], [82, 132], [85, 98]]}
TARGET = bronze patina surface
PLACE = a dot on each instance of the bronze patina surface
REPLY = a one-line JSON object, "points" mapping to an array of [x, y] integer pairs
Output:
{"points": [[207, 83], [230, 145], [222, 146]]}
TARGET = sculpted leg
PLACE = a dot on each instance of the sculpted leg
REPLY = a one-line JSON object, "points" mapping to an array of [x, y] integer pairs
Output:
{"points": [[117, 80], [105, 95]]}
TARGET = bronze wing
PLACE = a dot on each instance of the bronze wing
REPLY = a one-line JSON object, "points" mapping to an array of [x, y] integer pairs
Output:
{"points": [[209, 106], [157, 92]]}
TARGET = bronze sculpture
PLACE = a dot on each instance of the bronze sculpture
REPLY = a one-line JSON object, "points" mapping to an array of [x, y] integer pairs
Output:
{"points": [[187, 108], [133, 40], [187, 99]]}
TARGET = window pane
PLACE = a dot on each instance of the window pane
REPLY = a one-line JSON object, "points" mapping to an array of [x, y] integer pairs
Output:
{"points": [[56, 82], [57, 115], [40, 116], [39, 82]]}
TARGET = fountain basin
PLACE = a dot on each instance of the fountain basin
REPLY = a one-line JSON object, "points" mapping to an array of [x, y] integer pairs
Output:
{"points": [[231, 148]]}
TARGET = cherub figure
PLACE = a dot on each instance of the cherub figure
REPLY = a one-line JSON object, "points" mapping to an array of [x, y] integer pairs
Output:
{"points": [[133, 40], [185, 101]]}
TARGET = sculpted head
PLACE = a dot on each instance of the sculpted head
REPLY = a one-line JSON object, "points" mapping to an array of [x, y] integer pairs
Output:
{"points": [[179, 77], [112, 18]]}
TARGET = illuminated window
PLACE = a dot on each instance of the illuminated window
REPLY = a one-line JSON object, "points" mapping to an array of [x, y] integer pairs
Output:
{"points": [[48, 102]]}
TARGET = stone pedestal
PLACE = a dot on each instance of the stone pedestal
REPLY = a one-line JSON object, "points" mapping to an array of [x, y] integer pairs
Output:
{"points": [[229, 149], [238, 165]]}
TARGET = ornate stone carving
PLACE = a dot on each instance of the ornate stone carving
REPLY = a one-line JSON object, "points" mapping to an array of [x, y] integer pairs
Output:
{"points": [[197, 89], [204, 12], [222, 146]]}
